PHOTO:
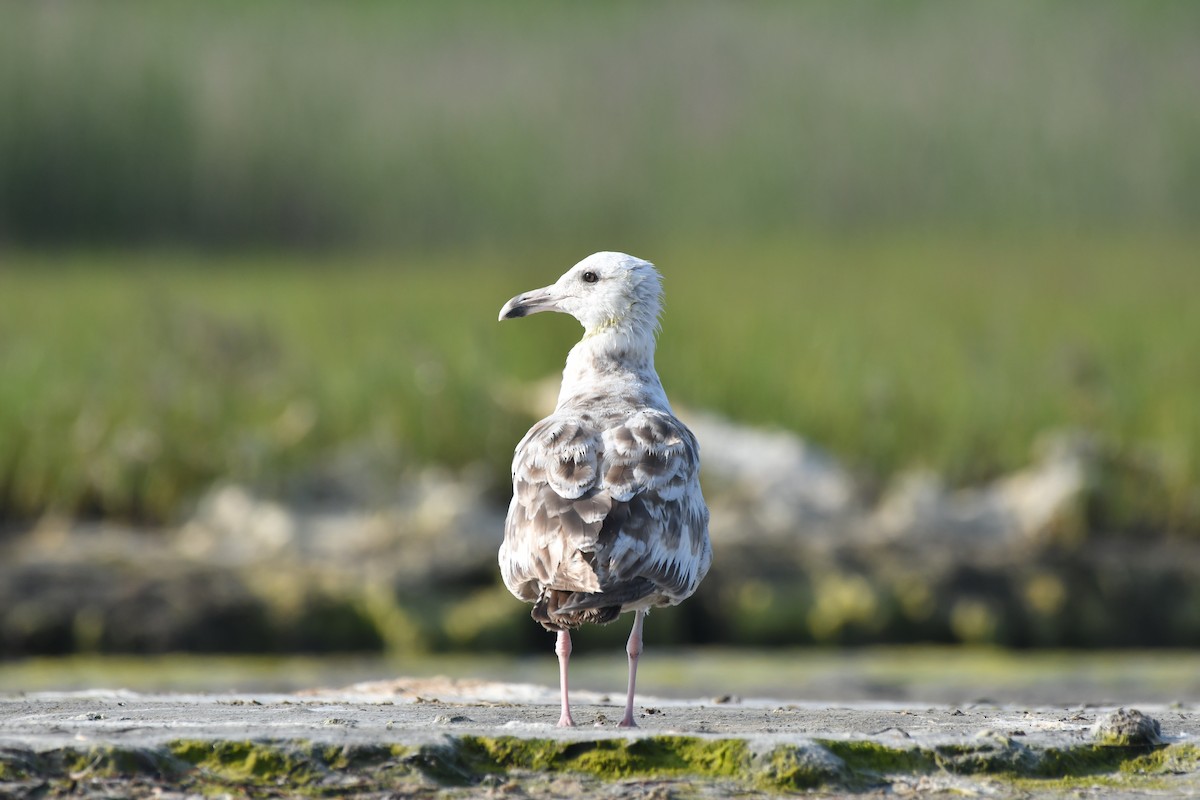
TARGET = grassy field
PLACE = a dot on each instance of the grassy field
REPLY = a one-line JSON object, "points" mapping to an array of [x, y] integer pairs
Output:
{"points": [[922, 235], [427, 125], [130, 382]]}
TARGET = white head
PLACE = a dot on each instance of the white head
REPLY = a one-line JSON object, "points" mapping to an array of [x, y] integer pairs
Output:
{"points": [[605, 291]]}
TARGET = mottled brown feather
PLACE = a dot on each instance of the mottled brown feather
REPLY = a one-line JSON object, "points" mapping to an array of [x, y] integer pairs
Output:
{"points": [[606, 515]]}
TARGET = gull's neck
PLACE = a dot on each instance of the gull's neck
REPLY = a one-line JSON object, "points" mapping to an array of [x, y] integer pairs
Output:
{"points": [[613, 361]]}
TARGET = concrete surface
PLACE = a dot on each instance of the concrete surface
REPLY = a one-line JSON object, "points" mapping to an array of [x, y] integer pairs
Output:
{"points": [[438, 737]]}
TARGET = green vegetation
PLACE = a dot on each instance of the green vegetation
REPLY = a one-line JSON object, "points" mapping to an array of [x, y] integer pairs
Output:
{"points": [[130, 383], [425, 125], [920, 235], [607, 758], [792, 768], [124, 391], [247, 762], [863, 757], [1177, 759], [291, 768]]}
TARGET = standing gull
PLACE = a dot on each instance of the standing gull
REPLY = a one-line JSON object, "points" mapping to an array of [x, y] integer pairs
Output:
{"points": [[607, 514]]}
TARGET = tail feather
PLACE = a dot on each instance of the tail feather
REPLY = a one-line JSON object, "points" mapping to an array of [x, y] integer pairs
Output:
{"points": [[558, 610]]}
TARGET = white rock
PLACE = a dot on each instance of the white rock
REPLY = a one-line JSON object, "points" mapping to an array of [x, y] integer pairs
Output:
{"points": [[1025, 504], [775, 475], [232, 526], [1043, 493]]}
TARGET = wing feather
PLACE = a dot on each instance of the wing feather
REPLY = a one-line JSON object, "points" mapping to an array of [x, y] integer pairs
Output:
{"points": [[610, 510]]}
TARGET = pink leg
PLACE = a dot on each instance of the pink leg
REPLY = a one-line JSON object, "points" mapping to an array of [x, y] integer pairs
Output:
{"points": [[634, 649], [563, 648]]}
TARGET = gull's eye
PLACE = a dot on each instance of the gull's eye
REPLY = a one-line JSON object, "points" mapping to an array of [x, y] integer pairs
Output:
{"points": [[590, 277]]}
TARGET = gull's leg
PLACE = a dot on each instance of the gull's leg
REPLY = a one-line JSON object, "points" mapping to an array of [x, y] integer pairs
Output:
{"points": [[634, 649], [563, 648]]}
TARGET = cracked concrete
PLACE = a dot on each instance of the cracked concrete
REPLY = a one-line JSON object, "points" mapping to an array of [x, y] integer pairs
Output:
{"points": [[997, 750]]}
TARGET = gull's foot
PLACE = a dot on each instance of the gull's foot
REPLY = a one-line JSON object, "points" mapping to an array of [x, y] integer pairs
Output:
{"points": [[565, 721]]}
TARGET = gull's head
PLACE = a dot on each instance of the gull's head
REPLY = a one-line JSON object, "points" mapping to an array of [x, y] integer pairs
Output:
{"points": [[605, 290]]}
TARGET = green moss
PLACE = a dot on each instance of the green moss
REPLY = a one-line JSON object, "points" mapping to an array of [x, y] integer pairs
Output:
{"points": [[1172, 759], [863, 757], [357, 757], [190, 750], [332, 756], [792, 768], [606, 758], [246, 761], [1137, 768], [868, 763], [663, 754], [1146, 768], [1087, 759], [110, 761], [1117, 740], [1087, 783], [300, 767], [987, 755], [305, 768], [852, 763], [254, 768], [727, 758], [497, 754]]}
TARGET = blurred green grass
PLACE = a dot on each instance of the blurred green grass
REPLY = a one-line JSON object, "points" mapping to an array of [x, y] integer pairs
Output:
{"points": [[920, 234], [130, 382], [428, 125]]}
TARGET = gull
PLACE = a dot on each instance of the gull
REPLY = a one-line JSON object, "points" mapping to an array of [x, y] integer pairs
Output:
{"points": [[607, 514]]}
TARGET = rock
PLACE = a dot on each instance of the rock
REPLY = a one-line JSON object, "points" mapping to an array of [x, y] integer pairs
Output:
{"points": [[233, 526], [769, 481], [1127, 728], [1031, 504], [1047, 496], [437, 526], [918, 505]]}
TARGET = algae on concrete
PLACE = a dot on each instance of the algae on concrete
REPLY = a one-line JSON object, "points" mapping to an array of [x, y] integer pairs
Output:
{"points": [[796, 767], [300, 767], [607, 757], [399, 742]]}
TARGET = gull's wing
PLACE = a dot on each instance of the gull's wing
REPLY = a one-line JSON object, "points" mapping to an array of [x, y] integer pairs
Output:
{"points": [[606, 513], [556, 513]]}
